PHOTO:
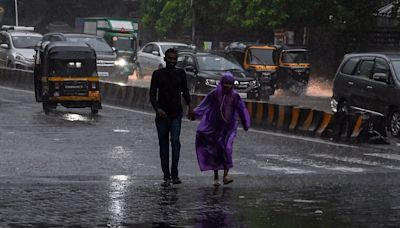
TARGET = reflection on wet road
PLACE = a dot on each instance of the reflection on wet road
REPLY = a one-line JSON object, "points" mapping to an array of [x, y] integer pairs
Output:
{"points": [[286, 201]]}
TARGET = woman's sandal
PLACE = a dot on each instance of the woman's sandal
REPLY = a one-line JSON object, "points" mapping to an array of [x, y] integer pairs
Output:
{"points": [[227, 180]]}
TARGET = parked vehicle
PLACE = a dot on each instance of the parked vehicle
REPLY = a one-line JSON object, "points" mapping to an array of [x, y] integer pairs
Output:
{"points": [[369, 83], [108, 67], [66, 74], [294, 69], [260, 60], [151, 56], [204, 71], [17, 45]]}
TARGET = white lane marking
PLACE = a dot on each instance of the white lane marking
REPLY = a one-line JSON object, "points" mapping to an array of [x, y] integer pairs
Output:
{"points": [[314, 140], [121, 131], [17, 90], [7, 100], [305, 201], [387, 156], [270, 167], [234, 172], [356, 161], [311, 163], [286, 170]]}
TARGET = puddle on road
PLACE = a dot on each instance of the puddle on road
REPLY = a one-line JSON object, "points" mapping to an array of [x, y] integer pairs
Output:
{"points": [[73, 117]]}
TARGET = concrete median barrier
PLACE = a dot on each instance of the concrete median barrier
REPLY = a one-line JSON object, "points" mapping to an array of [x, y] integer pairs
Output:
{"points": [[264, 115]]}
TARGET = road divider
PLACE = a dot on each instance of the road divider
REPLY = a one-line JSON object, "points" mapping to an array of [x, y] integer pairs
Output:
{"points": [[264, 115]]}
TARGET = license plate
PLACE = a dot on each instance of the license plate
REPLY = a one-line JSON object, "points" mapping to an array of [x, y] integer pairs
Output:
{"points": [[243, 95], [103, 74], [73, 87]]}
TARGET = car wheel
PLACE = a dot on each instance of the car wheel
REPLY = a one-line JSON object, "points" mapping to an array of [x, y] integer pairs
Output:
{"points": [[10, 65], [343, 107], [394, 123], [342, 125], [193, 88]]}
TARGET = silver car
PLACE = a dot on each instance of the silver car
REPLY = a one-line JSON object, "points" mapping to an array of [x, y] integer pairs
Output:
{"points": [[17, 47], [151, 56]]}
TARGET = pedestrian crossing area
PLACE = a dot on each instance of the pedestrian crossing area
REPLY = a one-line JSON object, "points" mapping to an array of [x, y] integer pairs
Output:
{"points": [[314, 163]]}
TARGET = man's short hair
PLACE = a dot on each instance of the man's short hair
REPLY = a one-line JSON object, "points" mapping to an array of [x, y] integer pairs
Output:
{"points": [[171, 50]]}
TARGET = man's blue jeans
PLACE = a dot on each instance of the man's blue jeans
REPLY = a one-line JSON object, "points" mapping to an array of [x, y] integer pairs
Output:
{"points": [[167, 127]]}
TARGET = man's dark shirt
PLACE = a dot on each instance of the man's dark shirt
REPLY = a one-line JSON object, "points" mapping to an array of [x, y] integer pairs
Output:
{"points": [[171, 84]]}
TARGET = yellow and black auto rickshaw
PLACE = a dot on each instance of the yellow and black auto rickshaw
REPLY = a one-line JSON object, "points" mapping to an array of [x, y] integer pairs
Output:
{"points": [[65, 74], [260, 60], [294, 69]]}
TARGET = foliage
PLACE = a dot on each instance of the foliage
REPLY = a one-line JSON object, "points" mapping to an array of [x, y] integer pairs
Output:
{"points": [[219, 16]]}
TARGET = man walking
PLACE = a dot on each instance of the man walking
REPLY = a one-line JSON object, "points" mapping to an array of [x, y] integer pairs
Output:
{"points": [[167, 86]]}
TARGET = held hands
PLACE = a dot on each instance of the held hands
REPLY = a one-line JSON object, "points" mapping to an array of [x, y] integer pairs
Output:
{"points": [[191, 115]]}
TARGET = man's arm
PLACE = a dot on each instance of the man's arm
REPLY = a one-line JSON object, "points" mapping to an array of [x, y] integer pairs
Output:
{"points": [[153, 91]]}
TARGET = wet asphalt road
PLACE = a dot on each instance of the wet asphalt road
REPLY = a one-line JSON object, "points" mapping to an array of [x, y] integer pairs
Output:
{"points": [[69, 169]]}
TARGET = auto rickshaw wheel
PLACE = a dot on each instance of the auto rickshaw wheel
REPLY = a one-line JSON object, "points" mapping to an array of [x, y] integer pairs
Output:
{"points": [[46, 107], [94, 111]]}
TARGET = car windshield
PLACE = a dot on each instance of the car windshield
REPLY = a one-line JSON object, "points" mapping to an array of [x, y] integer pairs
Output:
{"points": [[122, 43], [166, 47], [28, 42], [258, 56], [97, 43], [216, 63], [396, 66], [295, 57]]}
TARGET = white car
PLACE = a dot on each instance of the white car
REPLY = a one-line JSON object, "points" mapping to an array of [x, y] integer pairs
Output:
{"points": [[17, 45], [151, 56]]}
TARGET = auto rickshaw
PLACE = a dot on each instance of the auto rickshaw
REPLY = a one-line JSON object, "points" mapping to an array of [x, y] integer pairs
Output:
{"points": [[260, 60], [294, 69], [65, 74]]}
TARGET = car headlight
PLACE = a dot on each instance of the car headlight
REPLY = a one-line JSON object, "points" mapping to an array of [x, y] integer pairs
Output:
{"points": [[19, 57], [121, 62], [253, 83], [212, 82]]}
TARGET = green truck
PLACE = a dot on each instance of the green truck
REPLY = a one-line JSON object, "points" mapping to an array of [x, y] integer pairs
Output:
{"points": [[120, 34]]}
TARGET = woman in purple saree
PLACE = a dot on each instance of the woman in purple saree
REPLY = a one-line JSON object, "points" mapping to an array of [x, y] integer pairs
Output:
{"points": [[220, 113]]}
